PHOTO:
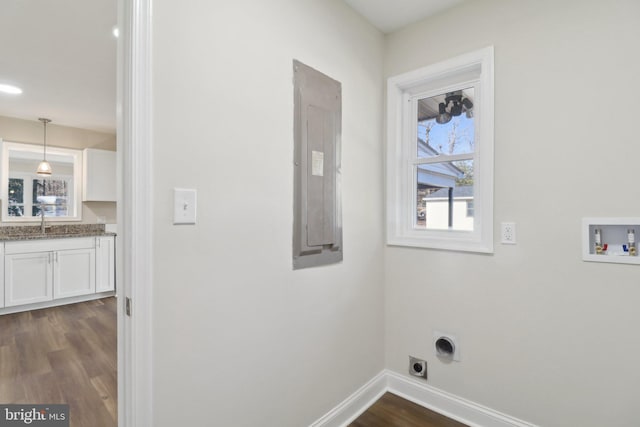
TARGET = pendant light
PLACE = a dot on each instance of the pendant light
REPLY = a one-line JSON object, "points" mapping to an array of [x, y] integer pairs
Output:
{"points": [[44, 168]]}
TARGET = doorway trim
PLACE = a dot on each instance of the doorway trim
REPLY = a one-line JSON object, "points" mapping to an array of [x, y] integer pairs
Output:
{"points": [[135, 214]]}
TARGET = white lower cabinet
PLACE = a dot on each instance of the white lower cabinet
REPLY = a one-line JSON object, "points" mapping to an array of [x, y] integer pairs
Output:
{"points": [[28, 278], [74, 273], [38, 271], [2, 276], [105, 263]]}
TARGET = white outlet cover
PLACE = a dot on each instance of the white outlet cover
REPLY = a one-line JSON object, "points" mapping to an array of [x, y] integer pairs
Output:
{"points": [[184, 206], [508, 233]]}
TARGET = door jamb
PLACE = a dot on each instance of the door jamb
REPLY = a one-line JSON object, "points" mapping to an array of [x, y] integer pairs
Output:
{"points": [[135, 213]]}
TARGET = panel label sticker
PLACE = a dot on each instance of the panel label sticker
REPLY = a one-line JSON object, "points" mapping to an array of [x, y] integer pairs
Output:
{"points": [[317, 163]]}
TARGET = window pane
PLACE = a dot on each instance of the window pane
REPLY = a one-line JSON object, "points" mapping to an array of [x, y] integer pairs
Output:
{"points": [[445, 124], [470, 208], [16, 197], [444, 196], [53, 195]]}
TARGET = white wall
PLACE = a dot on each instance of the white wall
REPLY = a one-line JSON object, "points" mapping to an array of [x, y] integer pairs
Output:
{"points": [[544, 336], [31, 132], [239, 338]]}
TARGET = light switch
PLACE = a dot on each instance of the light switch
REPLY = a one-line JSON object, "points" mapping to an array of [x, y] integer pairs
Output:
{"points": [[184, 206]]}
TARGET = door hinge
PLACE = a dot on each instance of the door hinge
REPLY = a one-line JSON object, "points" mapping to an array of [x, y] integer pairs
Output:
{"points": [[127, 306]]}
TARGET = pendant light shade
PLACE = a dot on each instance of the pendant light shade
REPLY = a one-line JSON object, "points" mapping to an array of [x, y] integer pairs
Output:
{"points": [[44, 168]]}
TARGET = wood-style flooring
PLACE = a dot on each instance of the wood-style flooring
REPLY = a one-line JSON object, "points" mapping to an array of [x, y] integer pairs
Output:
{"points": [[63, 354], [393, 411]]}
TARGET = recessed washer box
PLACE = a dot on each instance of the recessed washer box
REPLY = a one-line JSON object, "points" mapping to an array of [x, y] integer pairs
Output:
{"points": [[614, 237]]}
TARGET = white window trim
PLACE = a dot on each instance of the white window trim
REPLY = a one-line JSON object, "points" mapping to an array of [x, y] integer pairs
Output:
{"points": [[475, 68], [75, 201]]}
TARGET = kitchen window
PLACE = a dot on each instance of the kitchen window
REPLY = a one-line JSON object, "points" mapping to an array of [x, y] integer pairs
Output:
{"points": [[26, 193], [440, 155]]}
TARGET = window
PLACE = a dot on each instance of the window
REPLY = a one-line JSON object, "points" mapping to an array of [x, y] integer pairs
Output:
{"points": [[440, 155], [16, 197], [470, 208], [27, 193], [52, 195]]}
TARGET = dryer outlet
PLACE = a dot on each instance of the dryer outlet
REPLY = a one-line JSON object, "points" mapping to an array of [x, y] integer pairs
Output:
{"points": [[446, 346]]}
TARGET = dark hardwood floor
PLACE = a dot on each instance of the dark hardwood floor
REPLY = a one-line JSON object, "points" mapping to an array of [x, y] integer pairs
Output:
{"points": [[63, 354], [393, 411]]}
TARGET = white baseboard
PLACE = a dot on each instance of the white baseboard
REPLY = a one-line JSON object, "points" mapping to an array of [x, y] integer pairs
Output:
{"points": [[353, 406], [55, 303], [439, 401], [450, 405]]}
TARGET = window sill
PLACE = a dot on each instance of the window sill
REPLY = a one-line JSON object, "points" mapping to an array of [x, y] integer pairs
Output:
{"points": [[37, 219], [448, 244]]}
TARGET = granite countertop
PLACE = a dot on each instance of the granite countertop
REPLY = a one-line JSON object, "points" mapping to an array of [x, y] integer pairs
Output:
{"points": [[33, 232]]}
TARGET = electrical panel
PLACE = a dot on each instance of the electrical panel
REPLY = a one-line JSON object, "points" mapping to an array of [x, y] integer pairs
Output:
{"points": [[317, 233]]}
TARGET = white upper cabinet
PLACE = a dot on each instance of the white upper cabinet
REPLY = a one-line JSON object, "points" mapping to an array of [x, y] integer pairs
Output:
{"points": [[99, 176]]}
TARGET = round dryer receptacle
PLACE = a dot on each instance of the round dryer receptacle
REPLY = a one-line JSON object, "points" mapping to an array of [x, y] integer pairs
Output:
{"points": [[445, 347]]}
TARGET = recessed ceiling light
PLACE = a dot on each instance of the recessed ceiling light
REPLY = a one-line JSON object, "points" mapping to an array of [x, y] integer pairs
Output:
{"points": [[13, 90], [115, 31]]}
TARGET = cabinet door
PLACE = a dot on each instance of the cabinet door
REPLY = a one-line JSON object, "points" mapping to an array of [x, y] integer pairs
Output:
{"points": [[28, 278], [74, 273], [99, 175], [105, 264], [2, 275]]}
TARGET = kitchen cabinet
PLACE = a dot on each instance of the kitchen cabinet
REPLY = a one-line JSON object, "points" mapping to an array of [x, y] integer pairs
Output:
{"points": [[105, 263], [99, 184], [74, 272], [1, 276], [44, 271], [28, 278]]}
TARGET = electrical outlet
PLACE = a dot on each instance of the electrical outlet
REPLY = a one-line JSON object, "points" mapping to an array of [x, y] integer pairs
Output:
{"points": [[508, 233], [417, 367]]}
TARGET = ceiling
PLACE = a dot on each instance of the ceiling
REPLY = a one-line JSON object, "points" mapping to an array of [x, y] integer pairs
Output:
{"points": [[62, 54], [391, 15]]}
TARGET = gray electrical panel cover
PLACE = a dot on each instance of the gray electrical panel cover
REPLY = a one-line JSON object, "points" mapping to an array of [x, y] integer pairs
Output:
{"points": [[317, 225]]}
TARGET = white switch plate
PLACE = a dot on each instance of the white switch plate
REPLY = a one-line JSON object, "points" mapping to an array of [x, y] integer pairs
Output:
{"points": [[508, 233], [184, 206]]}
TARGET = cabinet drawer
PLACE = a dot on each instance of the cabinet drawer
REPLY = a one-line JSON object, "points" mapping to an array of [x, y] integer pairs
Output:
{"points": [[45, 245]]}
